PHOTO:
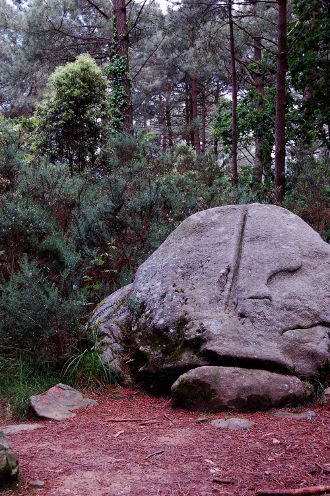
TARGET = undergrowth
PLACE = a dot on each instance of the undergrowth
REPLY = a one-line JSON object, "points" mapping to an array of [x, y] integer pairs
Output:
{"points": [[21, 378]]}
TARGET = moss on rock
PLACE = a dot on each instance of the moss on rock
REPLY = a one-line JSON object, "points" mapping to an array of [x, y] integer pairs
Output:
{"points": [[192, 394], [8, 461]]}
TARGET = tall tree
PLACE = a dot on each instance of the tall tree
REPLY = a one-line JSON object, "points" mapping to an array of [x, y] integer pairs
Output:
{"points": [[234, 96], [120, 45], [280, 103]]}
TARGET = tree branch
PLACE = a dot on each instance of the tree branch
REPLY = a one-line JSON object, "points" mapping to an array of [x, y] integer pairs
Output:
{"points": [[100, 11]]}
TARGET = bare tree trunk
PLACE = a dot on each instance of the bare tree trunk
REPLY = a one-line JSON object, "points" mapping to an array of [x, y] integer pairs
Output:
{"points": [[260, 93], [280, 103], [163, 122], [197, 143], [216, 98], [234, 97], [122, 44], [204, 112], [187, 109], [169, 123]]}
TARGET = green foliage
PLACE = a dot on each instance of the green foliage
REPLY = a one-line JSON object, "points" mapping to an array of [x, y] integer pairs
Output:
{"points": [[85, 367], [70, 122], [34, 311], [20, 378], [253, 122], [12, 134], [308, 68], [309, 192]]}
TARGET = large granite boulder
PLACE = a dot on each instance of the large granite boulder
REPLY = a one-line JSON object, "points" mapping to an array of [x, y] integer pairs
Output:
{"points": [[8, 461], [243, 286], [59, 402]]}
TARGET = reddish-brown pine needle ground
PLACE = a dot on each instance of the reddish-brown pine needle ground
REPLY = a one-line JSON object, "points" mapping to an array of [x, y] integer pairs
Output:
{"points": [[168, 453]]}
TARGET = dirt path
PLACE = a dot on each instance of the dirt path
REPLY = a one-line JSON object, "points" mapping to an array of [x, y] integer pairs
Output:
{"points": [[91, 455]]}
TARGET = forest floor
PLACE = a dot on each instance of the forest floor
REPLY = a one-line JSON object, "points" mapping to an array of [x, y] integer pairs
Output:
{"points": [[163, 451]]}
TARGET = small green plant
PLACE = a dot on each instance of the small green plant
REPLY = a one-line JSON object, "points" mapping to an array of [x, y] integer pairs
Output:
{"points": [[86, 367], [20, 378]]}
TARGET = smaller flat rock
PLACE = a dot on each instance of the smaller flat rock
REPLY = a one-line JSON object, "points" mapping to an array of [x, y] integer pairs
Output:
{"points": [[307, 415], [36, 484], [202, 420], [59, 402], [18, 428], [232, 423], [8, 461]]}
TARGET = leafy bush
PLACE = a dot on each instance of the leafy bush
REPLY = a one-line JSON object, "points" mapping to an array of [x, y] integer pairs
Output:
{"points": [[69, 123]]}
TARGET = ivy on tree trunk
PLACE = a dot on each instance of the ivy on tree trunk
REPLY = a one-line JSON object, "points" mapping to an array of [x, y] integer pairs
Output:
{"points": [[121, 97], [234, 97], [280, 103]]}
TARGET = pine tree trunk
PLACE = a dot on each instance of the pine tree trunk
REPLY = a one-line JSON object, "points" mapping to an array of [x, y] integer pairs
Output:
{"points": [[234, 97], [197, 143], [187, 109], [163, 122], [203, 122], [216, 98], [260, 93], [122, 44], [169, 123], [280, 103]]}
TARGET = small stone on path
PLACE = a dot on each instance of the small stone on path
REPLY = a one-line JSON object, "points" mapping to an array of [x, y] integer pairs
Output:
{"points": [[17, 428], [307, 415], [202, 420], [232, 423], [36, 483]]}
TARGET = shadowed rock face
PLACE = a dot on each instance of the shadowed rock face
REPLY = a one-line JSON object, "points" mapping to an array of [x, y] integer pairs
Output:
{"points": [[8, 461], [238, 286]]}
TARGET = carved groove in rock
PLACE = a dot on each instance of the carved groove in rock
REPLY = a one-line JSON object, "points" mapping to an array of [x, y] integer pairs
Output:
{"points": [[237, 260]]}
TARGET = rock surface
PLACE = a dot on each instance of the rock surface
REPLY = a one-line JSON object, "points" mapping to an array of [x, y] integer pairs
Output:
{"points": [[8, 461], [111, 320], [234, 424], [59, 402], [244, 286], [230, 388], [308, 414], [18, 428], [326, 396]]}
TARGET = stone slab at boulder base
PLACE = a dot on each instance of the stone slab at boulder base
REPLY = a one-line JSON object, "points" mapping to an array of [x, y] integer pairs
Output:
{"points": [[216, 389], [8, 461], [59, 402], [243, 286]]}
